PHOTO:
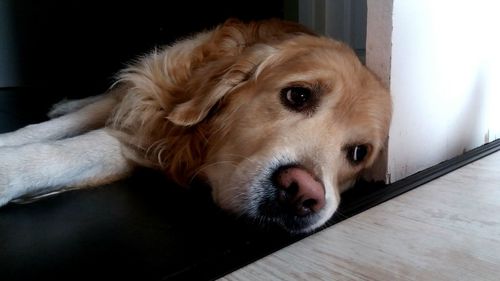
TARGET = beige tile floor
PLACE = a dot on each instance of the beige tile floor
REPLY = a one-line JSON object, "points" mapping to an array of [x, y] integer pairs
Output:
{"points": [[448, 229]]}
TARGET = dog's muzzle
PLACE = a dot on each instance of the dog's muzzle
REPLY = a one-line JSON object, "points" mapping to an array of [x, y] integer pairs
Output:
{"points": [[293, 199]]}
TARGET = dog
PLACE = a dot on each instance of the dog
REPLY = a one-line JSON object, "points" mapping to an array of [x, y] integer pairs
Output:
{"points": [[276, 120]]}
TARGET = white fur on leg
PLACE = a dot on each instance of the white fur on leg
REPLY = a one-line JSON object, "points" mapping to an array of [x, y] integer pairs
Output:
{"points": [[87, 160], [68, 106], [89, 117]]}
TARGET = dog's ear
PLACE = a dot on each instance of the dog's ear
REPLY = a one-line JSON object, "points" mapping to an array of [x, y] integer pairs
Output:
{"points": [[209, 84]]}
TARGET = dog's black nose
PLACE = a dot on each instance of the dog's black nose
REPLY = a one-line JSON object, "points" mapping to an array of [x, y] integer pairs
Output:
{"points": [[298, 191]]}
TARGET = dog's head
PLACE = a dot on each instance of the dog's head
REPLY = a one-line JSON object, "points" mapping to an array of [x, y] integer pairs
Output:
{"points": [[289, 125]]}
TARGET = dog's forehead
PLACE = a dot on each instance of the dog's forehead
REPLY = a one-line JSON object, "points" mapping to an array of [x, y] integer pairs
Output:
{"points": [[333, 69], [323, 52], [315, 61], [333, 65]]}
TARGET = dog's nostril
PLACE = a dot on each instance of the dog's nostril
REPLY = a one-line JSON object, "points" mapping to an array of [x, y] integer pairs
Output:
{"points": [[292, 189], [309, 203], [298, 191]]}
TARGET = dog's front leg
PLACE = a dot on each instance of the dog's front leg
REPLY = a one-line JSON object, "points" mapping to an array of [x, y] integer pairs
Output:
{"points": [[89, 114], [87, 160]]}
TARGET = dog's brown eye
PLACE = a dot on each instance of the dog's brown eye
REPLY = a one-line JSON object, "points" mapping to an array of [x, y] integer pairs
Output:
{"points": [[357, 153], [296, 98]]}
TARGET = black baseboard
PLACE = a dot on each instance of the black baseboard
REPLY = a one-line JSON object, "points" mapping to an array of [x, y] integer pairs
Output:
{"points": [[359, 200]]}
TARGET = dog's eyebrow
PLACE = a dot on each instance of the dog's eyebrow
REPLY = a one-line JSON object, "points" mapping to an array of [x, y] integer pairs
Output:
{"points": [[317, 87]]}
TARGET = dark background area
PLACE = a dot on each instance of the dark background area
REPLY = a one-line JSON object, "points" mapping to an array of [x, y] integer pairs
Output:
{"points": [[76, 46], [55, 49]]}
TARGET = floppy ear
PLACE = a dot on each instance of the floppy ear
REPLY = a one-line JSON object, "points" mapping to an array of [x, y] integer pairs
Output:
{"points": [[217, 79]]}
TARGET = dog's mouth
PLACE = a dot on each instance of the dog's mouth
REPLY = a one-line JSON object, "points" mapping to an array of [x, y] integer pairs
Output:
{"points": [[290, 197], [273, 214]]}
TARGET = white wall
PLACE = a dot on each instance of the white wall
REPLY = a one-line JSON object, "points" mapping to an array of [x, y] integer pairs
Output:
{"points": [[444, 79], [441, 61]]}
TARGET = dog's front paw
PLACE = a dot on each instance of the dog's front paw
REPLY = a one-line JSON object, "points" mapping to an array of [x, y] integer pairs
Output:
{"points": [[15, 138], [4, 200], [4, 139], [5, 194], [61, 108], [68, 106], [8, 188]]}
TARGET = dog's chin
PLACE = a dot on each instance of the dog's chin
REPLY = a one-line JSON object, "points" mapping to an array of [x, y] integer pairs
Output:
{"points": [[251, 194], [294, 225], [267, 215], [271, 213]]}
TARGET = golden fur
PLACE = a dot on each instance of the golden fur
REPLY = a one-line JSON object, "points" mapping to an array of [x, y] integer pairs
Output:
{"points": [[208, 106], [168, 93], [277, 120]]}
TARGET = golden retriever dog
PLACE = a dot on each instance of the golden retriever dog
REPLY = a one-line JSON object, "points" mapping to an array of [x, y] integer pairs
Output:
{"points": [[277, 120]]}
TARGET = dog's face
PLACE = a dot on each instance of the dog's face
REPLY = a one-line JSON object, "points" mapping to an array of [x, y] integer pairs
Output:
{"points": [[295, 132]]}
